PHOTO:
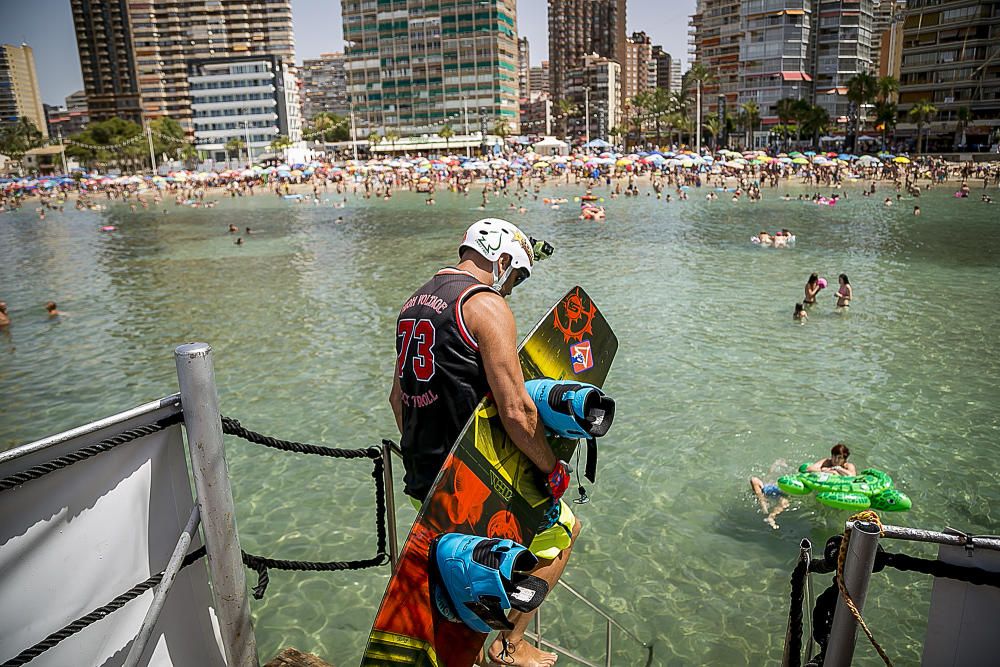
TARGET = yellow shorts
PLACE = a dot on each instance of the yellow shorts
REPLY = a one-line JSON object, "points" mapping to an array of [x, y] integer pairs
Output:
{"points": [[549, 543]]}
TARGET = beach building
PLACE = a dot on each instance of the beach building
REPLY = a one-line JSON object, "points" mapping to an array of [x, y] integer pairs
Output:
{"points": [[715, 41], [324, 86], [637, 64], [774, 54], [676, 78], [254, 99], [523, 68], [595, 89], [842, 48], [663, 68], [134, 54], [539, 79], [20, 96], [536, 116], [951, 58], [413, 67], [578, 28]]}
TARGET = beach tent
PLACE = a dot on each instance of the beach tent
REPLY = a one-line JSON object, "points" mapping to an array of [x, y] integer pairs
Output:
{"points": [[596, 143], [551, 146]]}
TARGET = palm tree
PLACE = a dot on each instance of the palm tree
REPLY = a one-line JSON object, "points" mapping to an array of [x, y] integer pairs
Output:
{"points": [[887, 88], [446, 133], [964, 116], [20, 137], [815, 121], [566, 109], [234, 145], [861, 90], [785, 108], [392, 137], [714, 128], [374, 139], [698, 76], [502, 129], [660, 103], [616, 132], [885, 115], [800, 110], [635, 112], [920, 113], [751, 118]]}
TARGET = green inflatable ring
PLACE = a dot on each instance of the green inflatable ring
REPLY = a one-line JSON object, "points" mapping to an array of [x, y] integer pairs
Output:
{"points": [[871, 488]]}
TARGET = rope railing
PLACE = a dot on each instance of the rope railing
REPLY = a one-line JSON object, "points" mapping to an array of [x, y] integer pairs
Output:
{"points": [[260, 564], [827, 600]]}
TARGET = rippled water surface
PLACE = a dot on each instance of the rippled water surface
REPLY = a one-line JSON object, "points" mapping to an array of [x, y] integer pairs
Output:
{"points": [[714, 383]]}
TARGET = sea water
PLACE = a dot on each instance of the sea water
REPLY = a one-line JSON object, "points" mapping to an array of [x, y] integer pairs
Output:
{"points": [[714, 383]]}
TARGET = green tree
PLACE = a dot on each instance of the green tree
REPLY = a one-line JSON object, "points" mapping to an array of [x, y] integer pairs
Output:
{"points": [[280, 144], [713, 126], [446, 133], [327, 126], [392, 137], [887, 88], [566, 110], [920, 113], [235, 145], [861, 90], [113, 142], [374, 139], [696, 79], [659, 104], [502, 129], [786, 109], [20, 137], [815, 121], [886, 114], [167, 134], [750, 114]]}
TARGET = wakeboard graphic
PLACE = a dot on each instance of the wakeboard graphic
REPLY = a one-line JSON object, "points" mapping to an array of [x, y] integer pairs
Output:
{"points": [[486, 487]]}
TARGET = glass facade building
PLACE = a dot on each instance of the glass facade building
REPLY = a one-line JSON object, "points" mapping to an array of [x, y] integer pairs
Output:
{"points": [[414, 65]]}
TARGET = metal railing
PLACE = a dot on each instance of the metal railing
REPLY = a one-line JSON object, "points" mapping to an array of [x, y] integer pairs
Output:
{"points": [[389, 448]]}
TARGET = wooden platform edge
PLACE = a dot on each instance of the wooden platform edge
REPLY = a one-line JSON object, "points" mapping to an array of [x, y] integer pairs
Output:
{"points": [[291, 657]]}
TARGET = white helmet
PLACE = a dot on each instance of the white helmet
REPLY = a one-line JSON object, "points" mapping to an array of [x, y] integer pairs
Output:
{"points": [[492, 238]]}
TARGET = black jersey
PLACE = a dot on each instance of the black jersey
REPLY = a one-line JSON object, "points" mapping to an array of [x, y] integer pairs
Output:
{"points": [[440, 372]]}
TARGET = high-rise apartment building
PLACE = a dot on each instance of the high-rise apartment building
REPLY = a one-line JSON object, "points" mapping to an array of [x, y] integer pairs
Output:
{"points": [[135, 53], [20, 96], [774, 54], [716, 35], [539, 79], [636, 66], [70, 119], [887, 32], [412, 66], [951, 57], [842, 48], [107, 58], [578, 28], [594, 88], [324, 85], [268, 104], [676, 79], [663, 66], [523, 69]]}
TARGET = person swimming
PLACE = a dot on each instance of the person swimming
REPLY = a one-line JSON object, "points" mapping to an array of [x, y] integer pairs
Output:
{"points": [[845, 292], [800, 313]]}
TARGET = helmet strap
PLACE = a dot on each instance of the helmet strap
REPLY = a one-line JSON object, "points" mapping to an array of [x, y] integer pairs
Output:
{"points": [[500, 280]]}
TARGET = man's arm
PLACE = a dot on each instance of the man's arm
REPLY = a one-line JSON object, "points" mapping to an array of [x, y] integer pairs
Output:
{"points": [[492, 324], [396, 400]]}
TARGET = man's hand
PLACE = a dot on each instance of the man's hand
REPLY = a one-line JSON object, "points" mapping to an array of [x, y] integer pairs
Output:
{"points": [[557, 481]]}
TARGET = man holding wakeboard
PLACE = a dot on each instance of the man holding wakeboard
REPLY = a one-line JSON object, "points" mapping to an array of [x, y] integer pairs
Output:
{"points": [[456, 340]]}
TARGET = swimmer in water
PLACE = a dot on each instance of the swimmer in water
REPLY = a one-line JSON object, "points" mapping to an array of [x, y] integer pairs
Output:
{"points": [[836, 463], [4, 317], [52, 309], [845, 293], [800, 313], [764, 491], [233, 229], [239, 241], [916, 210]]}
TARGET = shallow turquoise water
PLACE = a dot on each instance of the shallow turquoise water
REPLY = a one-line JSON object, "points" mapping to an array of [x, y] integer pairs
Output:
{"points": [[714, 383]]}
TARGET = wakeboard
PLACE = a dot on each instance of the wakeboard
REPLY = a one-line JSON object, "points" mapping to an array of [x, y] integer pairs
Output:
{"points": [[486, 487]]}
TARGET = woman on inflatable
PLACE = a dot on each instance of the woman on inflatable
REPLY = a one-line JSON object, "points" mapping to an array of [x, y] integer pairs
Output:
{"points": [[836, 463]]}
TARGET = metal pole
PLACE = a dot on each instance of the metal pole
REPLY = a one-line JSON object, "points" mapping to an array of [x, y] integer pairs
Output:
{"points": [[354, 134], [390, 502], [586, 113], [149, 137], [160, 596], [203, 424], [538, 628], [62, 151], [857, 573], [805, 551], [697, 122], [607, 644], [246, 133]]}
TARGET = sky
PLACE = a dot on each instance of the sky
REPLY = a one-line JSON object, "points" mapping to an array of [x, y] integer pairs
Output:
{"points": [[47, 26]]}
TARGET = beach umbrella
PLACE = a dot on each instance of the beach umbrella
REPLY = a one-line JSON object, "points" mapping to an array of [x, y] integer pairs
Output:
{"points": [[831, 154], [809, 153], [845, 156], [800, 160], [623, 162], [796, 154], [687, 163], [732, 164], [901, 160]]}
